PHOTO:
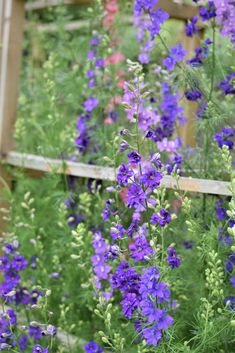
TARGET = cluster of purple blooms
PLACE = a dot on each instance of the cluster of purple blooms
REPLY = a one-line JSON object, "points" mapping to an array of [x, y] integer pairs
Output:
{"points": [[12, 292], [225, 16], [225, 138], [226, 239], [144, 295], [228, 85], [99, 262], [82, 142], [147, 26]]}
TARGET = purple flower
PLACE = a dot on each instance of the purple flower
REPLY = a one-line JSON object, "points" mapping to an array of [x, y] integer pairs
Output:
{"points": [[91, 54], [124, 145], [134, 157], [5, 263], [129, 304], [207, 12], [124, 174], [90, 104], [225, 14], [151, 179], [126, 279], [232, 280], [51, 330], [152, 335], [174, 163], [117, 232], [224, 138], [145, 5], [23, 342], [135, 196], [172, 259], [231, 300], [38, 349], [99, 63], [140, 249], [162, 218], [92, 347], [35, 332], [19, 263], [228, 85], [95, 41], [106, 211], [8, 249], [220, 211], [90, 74], [177, 54], [158, 17], [12, 316], [193, 95], [191, 28]]}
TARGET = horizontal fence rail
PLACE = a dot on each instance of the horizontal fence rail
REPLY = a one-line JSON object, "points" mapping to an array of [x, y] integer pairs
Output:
{"points": [[43, 164], [176, 10]]}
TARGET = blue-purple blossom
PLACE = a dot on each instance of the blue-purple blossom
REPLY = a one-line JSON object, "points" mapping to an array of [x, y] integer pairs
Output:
{"points": [[129, 304], [172, 258], [152, 335], [124, 173], [23, 342], [144, 5], [225, 138], [162, 218], [208, 11], [90, 104], [117, 231], [177, 54], [158, 17], [140, 249], [228, 85], [126, 279], [19, 263], [193, 95], [92, 347], [191, 27], [151, 179], [134, 157], [39, 349], [135, 196]]}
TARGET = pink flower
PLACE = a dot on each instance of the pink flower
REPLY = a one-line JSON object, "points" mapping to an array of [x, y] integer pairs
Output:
{"points": [[114, 58], [108, 121]]}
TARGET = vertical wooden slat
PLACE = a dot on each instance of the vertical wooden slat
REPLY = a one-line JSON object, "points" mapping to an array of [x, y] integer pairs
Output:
{"points": [[11, 32], [13, 25], [188, 131]]}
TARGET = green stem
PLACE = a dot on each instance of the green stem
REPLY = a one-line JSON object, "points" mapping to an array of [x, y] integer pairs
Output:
{"points": [[213, 62]]}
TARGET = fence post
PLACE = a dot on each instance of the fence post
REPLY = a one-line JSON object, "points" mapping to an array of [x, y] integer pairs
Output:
{"points": [[188, 131], [11, 32]]}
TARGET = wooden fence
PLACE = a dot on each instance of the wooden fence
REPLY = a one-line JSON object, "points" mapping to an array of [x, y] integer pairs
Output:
{"points": [[12, 24]]}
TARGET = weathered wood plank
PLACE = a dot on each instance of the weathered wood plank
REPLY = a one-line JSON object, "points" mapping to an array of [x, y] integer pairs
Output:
{"points": [[42, 4], [104, 173], [10, 67], [178, 11], [188, 131], [175, 10]]}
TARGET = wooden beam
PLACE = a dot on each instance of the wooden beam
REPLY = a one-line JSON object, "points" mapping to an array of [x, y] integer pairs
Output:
{"points": [[188, 131], [29, 161], [42, 4], [53, 27], [13, 24], [175, 10], [178, 11]]}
